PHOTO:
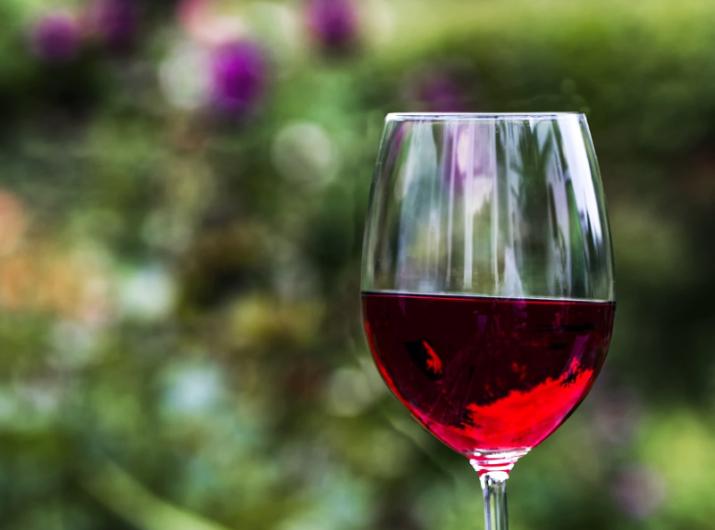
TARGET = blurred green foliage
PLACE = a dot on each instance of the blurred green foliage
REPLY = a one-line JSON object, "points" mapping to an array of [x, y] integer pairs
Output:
{"points": [[180, 339]]}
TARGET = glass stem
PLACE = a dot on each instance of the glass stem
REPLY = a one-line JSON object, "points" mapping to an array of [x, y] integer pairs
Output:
{"points": [[494, 491]]}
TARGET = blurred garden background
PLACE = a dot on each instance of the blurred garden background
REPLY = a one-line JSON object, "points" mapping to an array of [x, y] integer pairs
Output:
{"points": [[182, 191]]}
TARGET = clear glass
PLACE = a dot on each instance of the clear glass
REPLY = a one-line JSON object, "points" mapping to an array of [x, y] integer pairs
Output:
{"points": [[487, 279]]}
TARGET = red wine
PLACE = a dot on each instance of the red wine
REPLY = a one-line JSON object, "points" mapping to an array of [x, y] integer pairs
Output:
{"points": [[487, 375]]}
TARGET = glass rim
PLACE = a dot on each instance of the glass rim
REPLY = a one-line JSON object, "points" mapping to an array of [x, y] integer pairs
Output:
{"points": [[491, 116]]}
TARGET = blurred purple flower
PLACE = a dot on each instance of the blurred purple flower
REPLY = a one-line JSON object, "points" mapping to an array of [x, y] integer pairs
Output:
{"points": [[333, 24], [239, 75], [115, 22], [439, 92], [56, 37], [639, 491], [617, 415], [469, 162]]}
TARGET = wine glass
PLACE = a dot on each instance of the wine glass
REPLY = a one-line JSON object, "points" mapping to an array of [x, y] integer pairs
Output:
{"points": [[487, 279]]}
